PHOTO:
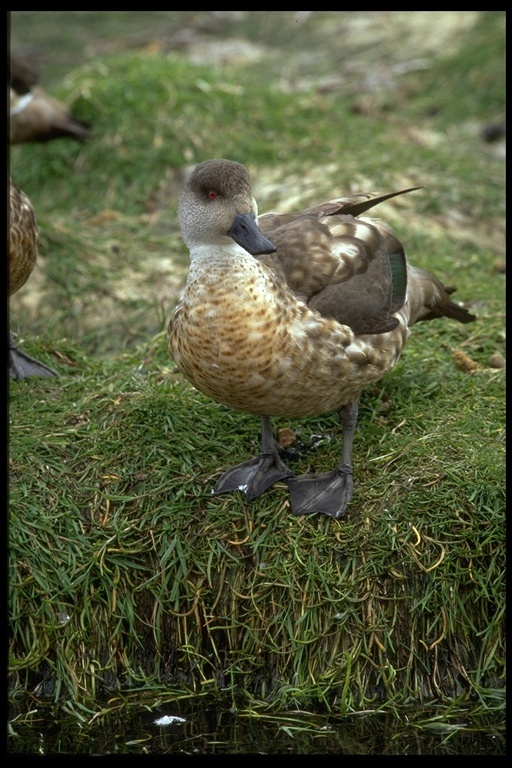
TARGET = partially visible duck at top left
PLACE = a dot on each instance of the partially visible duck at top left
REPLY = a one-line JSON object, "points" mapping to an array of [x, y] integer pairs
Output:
{"points": [[23, 251], [35, 116]]}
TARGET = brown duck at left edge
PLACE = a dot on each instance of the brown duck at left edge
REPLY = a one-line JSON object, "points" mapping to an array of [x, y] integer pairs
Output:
{"points": [[23, 241], [293, 315]]}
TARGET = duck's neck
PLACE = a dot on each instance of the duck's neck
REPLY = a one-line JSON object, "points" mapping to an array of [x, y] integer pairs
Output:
{"points": [[229, 280], [227, 259]]}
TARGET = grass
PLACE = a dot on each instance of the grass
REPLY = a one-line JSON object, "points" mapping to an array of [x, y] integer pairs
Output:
{"points": [[125, 574]]}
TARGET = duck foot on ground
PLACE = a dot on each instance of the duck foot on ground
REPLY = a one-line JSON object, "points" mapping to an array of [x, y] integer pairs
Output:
{"points": [[255, 476], [328, 493], [21, 365]]}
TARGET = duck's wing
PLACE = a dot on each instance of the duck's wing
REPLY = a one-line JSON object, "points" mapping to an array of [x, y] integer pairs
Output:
{"points": [[354, 205], [353, 270]]}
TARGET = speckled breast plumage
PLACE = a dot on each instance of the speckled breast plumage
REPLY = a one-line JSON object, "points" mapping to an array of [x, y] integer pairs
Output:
{"points": [[245, 340]]}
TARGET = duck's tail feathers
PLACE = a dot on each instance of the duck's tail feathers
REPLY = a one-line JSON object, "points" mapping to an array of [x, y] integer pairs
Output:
{"points": [[428, 298]]}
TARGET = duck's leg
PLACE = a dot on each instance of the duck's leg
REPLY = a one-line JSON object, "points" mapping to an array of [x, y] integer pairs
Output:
{"points": [[22, 365], [328, 493], [253, 477]]}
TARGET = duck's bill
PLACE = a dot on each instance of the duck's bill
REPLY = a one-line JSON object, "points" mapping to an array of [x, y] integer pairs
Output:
{"points": [[245, 232]]}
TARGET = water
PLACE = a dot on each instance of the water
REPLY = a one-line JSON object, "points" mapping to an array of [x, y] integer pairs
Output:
{"points": [[207, 728]]}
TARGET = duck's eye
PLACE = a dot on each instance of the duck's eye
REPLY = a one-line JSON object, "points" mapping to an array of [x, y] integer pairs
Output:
{"points": [[212, 195]]}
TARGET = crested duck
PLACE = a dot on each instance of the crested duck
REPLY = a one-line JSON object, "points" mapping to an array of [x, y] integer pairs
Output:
{"points": [[293, 315], [23, 240], [35, 116]]}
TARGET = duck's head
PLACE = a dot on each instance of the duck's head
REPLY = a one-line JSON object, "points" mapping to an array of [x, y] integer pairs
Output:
{"points": [[217, 203]]}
